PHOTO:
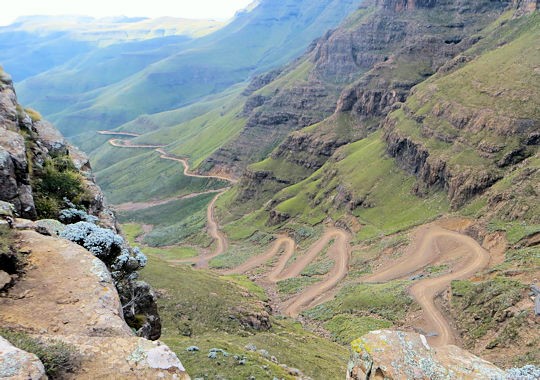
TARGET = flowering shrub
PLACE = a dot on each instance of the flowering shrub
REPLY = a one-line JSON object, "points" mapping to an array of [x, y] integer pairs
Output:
{"points": [[73, 215], [107, 246], [123, 262]]}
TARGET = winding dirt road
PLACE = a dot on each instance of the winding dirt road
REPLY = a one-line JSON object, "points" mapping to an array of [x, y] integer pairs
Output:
{"points": [[135, 206], [119, 143], [339, 251], [112, 133], [432, 245], [187, 173], [221, 242]]}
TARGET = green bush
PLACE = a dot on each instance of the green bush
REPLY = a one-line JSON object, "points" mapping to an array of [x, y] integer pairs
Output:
{"points": [[56, 181], [57, 357], [6, 238]]}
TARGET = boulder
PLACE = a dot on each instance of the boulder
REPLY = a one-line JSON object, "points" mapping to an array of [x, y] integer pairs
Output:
{"points": [[16, 364], [49, 227], [6, 210], [77, 303], [389, 355], [51, 138]]}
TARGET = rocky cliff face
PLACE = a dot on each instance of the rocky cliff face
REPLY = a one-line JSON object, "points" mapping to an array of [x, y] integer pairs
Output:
{"points": [[26, 142], [488, 129], [14, 174], [384, 49], [40, 173]]}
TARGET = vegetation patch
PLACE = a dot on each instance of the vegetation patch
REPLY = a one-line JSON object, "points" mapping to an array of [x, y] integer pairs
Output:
{"points": [[389, 301], [479, 308], [244, 282], [174, 222], [515, 231], [346, 328], [133, 230], [296, 284], [238, 254], [57, 181]]}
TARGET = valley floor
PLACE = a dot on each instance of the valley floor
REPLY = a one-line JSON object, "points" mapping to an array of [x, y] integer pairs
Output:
{"points": [[441, 245]]}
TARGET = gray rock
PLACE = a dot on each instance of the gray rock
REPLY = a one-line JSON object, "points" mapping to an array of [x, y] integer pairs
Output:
{"points": [[251, 347], [295, 372], [5, 279], [528, 372], [19, 364], [192, 349], [49, 227], [6, 209], [264, 353], [51, 138], [396, 355]]}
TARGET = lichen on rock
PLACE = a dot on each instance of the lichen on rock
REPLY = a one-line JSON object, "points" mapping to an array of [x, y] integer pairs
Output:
{"points": [[19, 364], [403, 355]]}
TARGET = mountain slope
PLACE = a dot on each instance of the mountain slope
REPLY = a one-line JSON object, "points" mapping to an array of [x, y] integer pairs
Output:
{"points": [[269, 34], [463, 144]]}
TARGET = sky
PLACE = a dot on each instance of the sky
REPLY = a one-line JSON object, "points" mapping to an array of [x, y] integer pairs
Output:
{"points": [[201, 9]]}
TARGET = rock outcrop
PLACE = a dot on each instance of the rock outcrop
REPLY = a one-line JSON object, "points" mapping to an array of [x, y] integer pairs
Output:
{"points": [[27, 144], [394, 355], [67, 294], [14, 175], [18, 364]]}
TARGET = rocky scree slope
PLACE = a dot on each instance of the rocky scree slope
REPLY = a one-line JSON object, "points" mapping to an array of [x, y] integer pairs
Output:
{"points": [[40, 174]]}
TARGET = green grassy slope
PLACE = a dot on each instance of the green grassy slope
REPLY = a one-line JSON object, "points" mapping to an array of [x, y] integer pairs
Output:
{"points": [[207, 311], [155, 179], [364, 183], [172, 222]]}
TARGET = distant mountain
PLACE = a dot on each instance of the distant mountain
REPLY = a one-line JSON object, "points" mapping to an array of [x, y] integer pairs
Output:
{"points": [[34, 44], [106, 87]]}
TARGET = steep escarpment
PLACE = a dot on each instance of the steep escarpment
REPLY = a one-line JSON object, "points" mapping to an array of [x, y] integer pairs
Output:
{"points": [[14, 177], [467, 127], [375, 57]]}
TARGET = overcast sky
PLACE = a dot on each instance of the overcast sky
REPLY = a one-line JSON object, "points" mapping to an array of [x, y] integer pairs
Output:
{"points": [[214, 9]]}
